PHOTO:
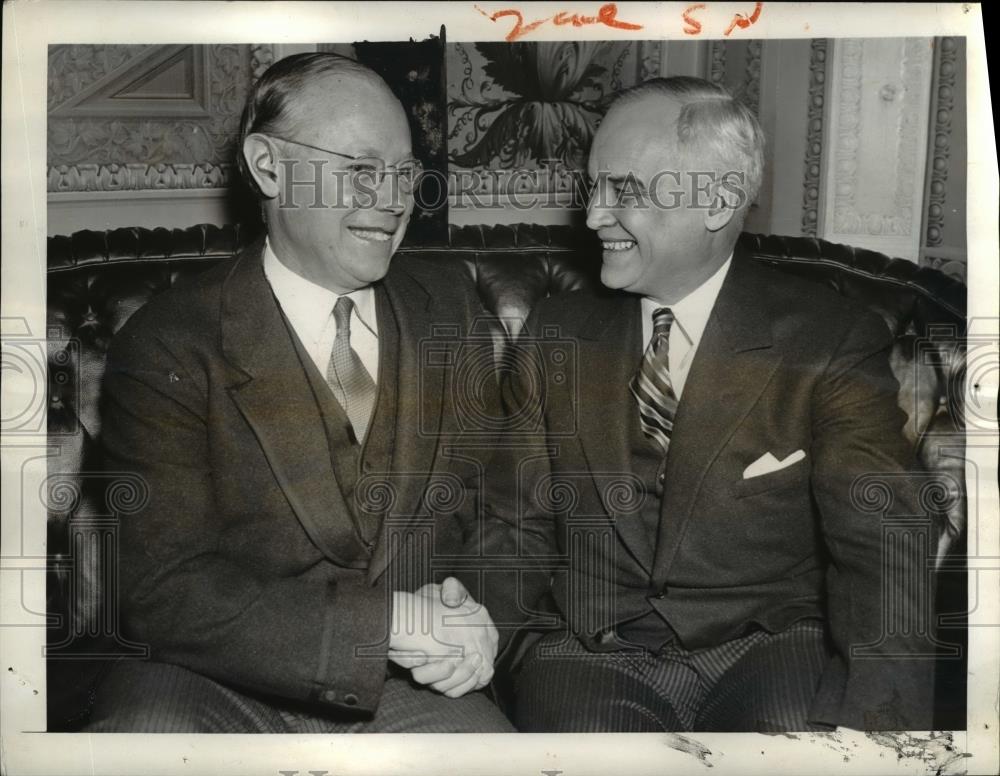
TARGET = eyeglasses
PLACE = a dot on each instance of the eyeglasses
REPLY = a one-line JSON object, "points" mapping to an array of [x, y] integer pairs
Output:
{"points": [[370, 171]]}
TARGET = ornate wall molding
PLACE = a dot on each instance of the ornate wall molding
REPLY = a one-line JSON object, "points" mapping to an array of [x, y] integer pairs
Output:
{"points": [[651, 56], [261, 58], [878, 112], [814, 136], [130, 177], [897, 218], [717, 62], [618, 68], [143, 143], [943, 101], [849, 131], [912, 141], [167, 81], [72, 69], [750, 89]]}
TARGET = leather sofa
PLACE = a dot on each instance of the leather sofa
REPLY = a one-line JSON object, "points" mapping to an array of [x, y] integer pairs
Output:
{"points": [[96, 280]]}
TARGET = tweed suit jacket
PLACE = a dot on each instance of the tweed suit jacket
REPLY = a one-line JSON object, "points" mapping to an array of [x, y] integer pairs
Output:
{"points": [[245, 563]]}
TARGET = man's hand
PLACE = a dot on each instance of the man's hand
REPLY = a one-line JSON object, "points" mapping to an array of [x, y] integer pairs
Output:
{"points": [[444, 637], [452, 592]]}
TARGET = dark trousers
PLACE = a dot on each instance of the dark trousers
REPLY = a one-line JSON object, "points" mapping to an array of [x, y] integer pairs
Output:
{"points": [[761, 682], [148, 697]]}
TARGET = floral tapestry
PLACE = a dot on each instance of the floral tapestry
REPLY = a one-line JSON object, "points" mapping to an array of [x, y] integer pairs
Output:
{"points": [[528, 105]]}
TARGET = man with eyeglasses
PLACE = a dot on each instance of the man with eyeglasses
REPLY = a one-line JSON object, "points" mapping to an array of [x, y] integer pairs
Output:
{"points": [[280, 571]]}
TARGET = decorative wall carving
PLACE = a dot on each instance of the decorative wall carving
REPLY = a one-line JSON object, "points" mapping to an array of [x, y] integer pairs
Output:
{"points": [[814, 136], [943, 97], [893, 217], [873, 174], [261, 58], [137, 176], [917, 57], [848, 131], [717, 68], [650, 59], [736, 66], [71, 68], [749, 90], [170, 81], [93, 151]]}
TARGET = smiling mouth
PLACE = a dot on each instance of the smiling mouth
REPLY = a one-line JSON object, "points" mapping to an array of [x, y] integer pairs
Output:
{"points": [[371, 235], [617, 245]]}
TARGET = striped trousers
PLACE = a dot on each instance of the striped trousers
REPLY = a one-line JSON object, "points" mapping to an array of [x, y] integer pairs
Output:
{"points": [[149, 697], [761, 682]]}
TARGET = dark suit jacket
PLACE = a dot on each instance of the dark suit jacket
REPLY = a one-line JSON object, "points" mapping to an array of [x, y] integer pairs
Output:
{"points": [[783, 365], [245, 564]]}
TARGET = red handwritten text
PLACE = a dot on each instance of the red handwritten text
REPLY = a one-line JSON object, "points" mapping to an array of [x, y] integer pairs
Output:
{"points": [[607, 15], [693, 25], [741, 21]]}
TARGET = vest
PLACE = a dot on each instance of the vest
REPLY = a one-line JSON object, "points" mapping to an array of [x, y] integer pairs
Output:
{"points": [[353, 462], [647, 463]]}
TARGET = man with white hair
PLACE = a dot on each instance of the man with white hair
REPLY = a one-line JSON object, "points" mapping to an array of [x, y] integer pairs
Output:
{"points": [[721, 574]]}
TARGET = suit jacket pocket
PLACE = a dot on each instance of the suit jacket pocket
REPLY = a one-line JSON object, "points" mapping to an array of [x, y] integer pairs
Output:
{"points": [[796, 474]]}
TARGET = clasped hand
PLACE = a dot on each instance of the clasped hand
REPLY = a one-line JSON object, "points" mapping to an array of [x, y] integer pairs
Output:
{"points": [[446, 639]]}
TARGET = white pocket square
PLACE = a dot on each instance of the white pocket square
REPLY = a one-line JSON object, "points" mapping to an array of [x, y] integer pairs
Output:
{"points": [[767, 464]]}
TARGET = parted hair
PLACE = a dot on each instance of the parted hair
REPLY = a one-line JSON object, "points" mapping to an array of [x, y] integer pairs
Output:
{"points": [[712, 126], [267, 106]]}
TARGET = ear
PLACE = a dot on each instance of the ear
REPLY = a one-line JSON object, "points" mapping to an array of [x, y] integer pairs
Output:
{"points": [[725, 204], [262, 162]]}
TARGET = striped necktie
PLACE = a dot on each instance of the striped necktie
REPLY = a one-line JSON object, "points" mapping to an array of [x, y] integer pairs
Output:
{"points": [[651, 385], [346, 375]]}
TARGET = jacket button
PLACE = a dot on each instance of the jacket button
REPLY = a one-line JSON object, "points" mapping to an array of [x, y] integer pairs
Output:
{"points": [[330, 696], [662, 478], [661, 595], [351, 699]]}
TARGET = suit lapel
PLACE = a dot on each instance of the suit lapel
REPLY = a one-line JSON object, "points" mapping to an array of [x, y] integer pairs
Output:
{"points": [[419, 405], [272, 391], [734, 363], [610, 351]]}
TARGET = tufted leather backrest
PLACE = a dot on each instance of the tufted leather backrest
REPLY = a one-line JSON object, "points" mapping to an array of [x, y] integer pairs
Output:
{"points": [[96, 280]]}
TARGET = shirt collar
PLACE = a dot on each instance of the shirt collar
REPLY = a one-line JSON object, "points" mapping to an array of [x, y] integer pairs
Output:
{"points": [[692, 312], [307, 305]]}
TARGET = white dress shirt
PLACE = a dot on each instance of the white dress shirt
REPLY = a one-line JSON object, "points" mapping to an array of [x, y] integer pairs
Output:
{"points": [[309, 308], [690, 318]]}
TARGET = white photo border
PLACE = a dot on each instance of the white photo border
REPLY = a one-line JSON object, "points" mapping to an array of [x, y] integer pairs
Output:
{"points": [[29, 28]]}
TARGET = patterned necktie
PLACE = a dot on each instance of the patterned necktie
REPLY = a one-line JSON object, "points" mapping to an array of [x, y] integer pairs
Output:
{"points": [[346, 374], [651, 385]]}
